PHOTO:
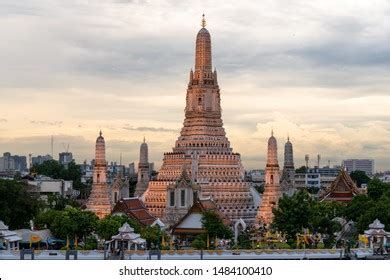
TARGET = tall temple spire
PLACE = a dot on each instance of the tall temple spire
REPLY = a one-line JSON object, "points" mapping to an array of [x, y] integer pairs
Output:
{"points": [[203, 51], [272, 150], [143, 152], [203, 96], [288, 154], [143, 169], [288, 174], [272, 191], [100, 150], [99, 201]]}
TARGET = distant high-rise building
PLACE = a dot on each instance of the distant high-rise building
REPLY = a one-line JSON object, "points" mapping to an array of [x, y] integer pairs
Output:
{"points": [[40, 159], [65, 158], [99, 200], [10, 162], [131, 169], [143, 170], [366, 165], [272, 190], [316, 177]]}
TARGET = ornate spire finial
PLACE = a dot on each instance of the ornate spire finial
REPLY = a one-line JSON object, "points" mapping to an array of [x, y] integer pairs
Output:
{"points": [[203, 21], [272, 132], [144, 139], [100, 133], [288, 137]]}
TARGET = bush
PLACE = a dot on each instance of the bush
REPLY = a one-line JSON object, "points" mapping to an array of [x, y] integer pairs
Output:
{"points": [[198, 243], [281, 245], [91, 243]]}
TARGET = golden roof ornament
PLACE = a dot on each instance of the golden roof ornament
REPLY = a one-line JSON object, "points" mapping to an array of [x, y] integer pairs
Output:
{"points": [[203, 21]]}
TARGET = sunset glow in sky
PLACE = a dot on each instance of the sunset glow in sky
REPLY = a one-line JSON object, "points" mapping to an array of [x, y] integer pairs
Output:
{"points": [[318, 71]]}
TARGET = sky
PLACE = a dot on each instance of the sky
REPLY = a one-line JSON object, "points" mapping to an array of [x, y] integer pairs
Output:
{"points": [[317, 71]]}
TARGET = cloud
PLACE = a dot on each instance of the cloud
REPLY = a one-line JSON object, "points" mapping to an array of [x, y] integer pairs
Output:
{"points": [[3, 120], [318, 69], [151, 129], [335, 141], [47, 123]]}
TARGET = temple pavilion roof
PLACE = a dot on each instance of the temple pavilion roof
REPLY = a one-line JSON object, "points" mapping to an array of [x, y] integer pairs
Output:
{"points": [[343, 188], [376, 229], [134, 208]]}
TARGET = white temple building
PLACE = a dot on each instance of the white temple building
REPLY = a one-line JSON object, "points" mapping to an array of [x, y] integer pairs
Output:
{"points": [[9, 240]]}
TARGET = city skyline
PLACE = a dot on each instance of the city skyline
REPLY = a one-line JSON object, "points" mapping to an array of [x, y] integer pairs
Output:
{"points": [[318, 75]]}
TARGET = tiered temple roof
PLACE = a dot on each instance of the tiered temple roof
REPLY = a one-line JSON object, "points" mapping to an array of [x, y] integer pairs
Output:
{"points": [[342, 189], [134, 208]]}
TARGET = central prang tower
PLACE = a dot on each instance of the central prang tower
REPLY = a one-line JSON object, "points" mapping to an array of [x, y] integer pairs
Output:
{"points": [[202, 150]]}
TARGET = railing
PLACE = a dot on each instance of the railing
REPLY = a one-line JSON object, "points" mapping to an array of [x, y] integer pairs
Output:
{"points": [[196, 254]]}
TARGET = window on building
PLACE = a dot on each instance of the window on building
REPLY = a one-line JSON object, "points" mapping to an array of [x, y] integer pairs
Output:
{"points": [[172, 198], [116, 197], [182, 197], [98, 178]]}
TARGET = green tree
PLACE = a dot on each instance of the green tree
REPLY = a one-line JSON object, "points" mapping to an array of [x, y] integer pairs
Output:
{"points": [[69, 223], [301, 211], [153, 235], [58, 202], [244, 240], [360, 177], [51, 168], [17, 205], [301, 169], [321, 220], [380, 209], [376, 189], [198, 243], [55, 170], [214, 226], [45, 219], [364, 209], [293, 214], [358, 206], [108, 226]]}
